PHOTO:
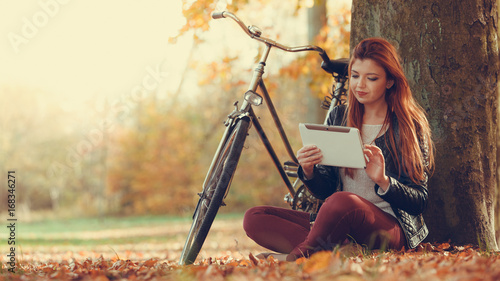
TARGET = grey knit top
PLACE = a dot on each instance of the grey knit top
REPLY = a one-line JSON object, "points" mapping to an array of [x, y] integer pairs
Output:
{"points": [[361, 184]]}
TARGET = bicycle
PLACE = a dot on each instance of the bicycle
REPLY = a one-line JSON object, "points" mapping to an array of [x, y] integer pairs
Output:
{"points": [[238, 122]]}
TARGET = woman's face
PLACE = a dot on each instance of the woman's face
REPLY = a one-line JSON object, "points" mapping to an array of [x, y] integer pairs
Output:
{"points": [[368, 82]]}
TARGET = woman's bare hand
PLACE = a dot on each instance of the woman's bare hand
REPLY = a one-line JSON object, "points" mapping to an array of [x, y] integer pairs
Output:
{"points": [[375, 166], [309, 156]]}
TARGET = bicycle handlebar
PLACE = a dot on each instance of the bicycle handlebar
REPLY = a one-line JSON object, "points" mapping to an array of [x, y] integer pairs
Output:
{"points": [[254, 33], [217, 15]]}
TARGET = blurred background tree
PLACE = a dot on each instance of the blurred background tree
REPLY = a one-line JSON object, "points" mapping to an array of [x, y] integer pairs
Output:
{"points": [[168, 168], [149, 155]]}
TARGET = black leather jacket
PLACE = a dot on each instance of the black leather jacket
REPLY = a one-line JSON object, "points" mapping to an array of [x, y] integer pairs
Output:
{"points": [[407, 199]]}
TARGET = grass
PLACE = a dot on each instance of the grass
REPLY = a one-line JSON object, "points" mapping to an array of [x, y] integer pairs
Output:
{"points": [[135, 238], [94, 224], [88, 242], [103, 231]]}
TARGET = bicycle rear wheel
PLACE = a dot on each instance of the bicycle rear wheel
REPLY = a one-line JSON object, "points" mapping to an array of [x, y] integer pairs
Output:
{"points": [[215, 191]]}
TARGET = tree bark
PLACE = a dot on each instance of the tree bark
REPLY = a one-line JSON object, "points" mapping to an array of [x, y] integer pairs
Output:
{"points": [[449, 51], [497, 194], [497, 190]]}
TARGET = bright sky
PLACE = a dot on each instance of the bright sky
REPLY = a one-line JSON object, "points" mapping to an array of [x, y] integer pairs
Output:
{"points": [[80, 49]]}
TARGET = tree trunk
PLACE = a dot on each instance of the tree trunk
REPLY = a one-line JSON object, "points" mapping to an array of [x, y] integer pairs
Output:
{"points": [[316, 20], [449, 51], [497, 195]]}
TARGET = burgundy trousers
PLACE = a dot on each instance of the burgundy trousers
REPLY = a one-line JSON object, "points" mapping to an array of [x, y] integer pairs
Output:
{"points": [[343, 216]]}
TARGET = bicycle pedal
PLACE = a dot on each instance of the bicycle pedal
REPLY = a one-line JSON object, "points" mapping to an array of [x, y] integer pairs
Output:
{"points": [[292, 174], [291, 164]]}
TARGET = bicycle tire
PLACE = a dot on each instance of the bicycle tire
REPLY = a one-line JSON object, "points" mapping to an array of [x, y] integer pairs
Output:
{"points": [[215, 191]]}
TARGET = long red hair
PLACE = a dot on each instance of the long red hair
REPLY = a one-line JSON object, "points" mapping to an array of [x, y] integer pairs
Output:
{"points": [[414, 128]]}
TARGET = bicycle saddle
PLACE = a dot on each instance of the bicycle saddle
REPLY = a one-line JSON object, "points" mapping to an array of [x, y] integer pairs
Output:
{"points": [[339, 66]]}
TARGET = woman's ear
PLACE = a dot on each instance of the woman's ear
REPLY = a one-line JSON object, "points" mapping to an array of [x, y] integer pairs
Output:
{"points": [[389, 84]]}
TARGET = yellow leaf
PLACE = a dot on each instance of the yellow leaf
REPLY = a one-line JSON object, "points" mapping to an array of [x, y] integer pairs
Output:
{"points": [[318, 261], [150, 262]]}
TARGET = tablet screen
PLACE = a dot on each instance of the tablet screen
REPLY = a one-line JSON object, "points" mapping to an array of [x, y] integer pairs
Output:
{"points": [[340, 146]]}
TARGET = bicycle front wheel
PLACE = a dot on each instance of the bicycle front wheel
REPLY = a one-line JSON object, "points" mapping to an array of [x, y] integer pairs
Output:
{"points": [[215, 191]]}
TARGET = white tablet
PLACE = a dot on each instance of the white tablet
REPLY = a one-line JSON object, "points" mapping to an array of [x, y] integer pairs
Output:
{"points": [[340, 146]]}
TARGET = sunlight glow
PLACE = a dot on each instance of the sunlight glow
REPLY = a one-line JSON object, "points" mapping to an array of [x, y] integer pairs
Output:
{"points": [[81, 49], [309, 3]]}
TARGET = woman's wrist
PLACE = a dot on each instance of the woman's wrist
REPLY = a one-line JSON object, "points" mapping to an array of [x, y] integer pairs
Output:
{"points": [[384, 183], [308, 174]]}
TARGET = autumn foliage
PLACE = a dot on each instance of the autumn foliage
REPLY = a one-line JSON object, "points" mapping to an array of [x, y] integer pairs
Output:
{"points": [[134, 154], [160, 159], [427, 262], [155, 162], [334, 39]]}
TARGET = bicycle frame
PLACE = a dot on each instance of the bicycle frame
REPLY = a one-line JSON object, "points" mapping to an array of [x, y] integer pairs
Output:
{"points": [[258, 83], [220, 174], [246, 110]]}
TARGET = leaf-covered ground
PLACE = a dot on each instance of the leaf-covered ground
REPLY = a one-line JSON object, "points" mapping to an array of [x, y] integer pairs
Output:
{"points": [[229, 255]]}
